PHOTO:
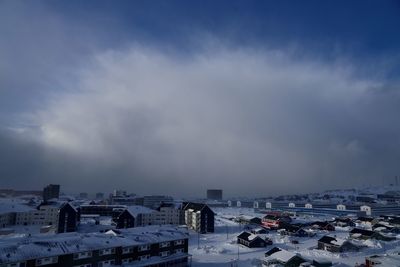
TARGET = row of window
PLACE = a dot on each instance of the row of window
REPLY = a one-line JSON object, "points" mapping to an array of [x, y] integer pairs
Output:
{"points": [[45, 261], [108, 251]]}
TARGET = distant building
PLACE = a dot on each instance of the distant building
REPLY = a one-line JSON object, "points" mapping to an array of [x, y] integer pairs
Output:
{"points": [[18, 193], [119, 193], [51, 191], [83, 195], [214, 194], [127, 200], [99, 195], [155, 201]]}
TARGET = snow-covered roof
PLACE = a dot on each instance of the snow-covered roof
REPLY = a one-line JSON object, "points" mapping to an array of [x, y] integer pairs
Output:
{"points": [[282, 256], [12, 205], [39, 246], [135, 210], [387, 260]]}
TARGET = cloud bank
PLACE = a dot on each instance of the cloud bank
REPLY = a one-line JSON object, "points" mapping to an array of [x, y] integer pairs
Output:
{"points": [[249, 121]]}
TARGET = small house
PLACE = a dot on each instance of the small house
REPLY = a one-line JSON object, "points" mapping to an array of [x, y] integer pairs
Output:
{"points": [[252, 241]]}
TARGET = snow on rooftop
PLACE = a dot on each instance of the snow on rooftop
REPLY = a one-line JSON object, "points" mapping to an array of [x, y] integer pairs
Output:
{"points": [[283, 255], [251, 237], [38, 246], [8, 205], [338, 241], [136, 210]]}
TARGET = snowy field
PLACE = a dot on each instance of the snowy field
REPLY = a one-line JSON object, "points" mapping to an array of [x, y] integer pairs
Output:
{"points": [[221, 249]]}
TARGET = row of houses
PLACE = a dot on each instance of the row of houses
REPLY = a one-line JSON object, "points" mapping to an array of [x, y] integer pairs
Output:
{"points": [[142, 246], [196, 216]]}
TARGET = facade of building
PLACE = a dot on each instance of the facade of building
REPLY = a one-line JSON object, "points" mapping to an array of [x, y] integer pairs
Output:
{"points": [[145, 246], [199, 217], [52, 191], [62, 217], [134, 216], [102, 210]]}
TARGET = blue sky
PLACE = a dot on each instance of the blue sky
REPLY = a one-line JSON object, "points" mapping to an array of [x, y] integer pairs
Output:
{"points": [[199, 93]]}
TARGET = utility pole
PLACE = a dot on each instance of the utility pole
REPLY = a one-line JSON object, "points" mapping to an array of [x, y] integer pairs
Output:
{"points": [[238, 253]]}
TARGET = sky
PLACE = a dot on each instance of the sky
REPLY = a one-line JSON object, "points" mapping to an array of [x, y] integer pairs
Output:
{"points": [[258, 98]]}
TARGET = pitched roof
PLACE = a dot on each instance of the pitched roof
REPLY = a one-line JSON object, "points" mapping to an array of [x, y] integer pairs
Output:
{"points": [[195, 206], [135, 210], [332, 240], [248, 236], [362, 232], [272, 251]]}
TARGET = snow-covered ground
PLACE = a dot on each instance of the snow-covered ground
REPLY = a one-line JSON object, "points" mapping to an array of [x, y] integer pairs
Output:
{"points": [[221, 249]]}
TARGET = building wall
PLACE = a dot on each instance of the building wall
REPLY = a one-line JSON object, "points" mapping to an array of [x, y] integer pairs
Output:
{"points": [[118, 255]]}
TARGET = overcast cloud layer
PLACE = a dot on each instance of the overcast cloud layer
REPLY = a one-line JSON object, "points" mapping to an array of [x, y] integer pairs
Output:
{"points": [[252, 120]]}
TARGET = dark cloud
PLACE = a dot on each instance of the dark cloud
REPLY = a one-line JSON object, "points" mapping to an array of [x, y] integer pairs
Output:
{"points": [[95, 108]]}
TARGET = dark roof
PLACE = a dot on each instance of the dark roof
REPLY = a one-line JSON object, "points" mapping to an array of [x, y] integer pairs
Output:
{"points": [[195, 206], [321, 224], [165, 205], [290, 227], [362, 232], [271, 217], [244, 235], [272, 251], [366, 219], [327, 239]]}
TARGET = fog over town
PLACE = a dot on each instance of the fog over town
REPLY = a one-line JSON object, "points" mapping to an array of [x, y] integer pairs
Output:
{"points": [[148, 94]]}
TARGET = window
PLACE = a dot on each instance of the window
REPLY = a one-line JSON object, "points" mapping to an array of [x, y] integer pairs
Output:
{"points": [[144, 247], [178, 242], [179, 250], [144, 257], [164, 253], [127, 250], [46, 261], [82, 255], [107, 251], [106, 263], [127, 260], [164, 244]]}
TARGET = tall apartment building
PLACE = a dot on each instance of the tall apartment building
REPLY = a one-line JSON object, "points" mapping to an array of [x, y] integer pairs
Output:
{"points": [[214, 194], [144, 246], [199, 217], [52, 191]]}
